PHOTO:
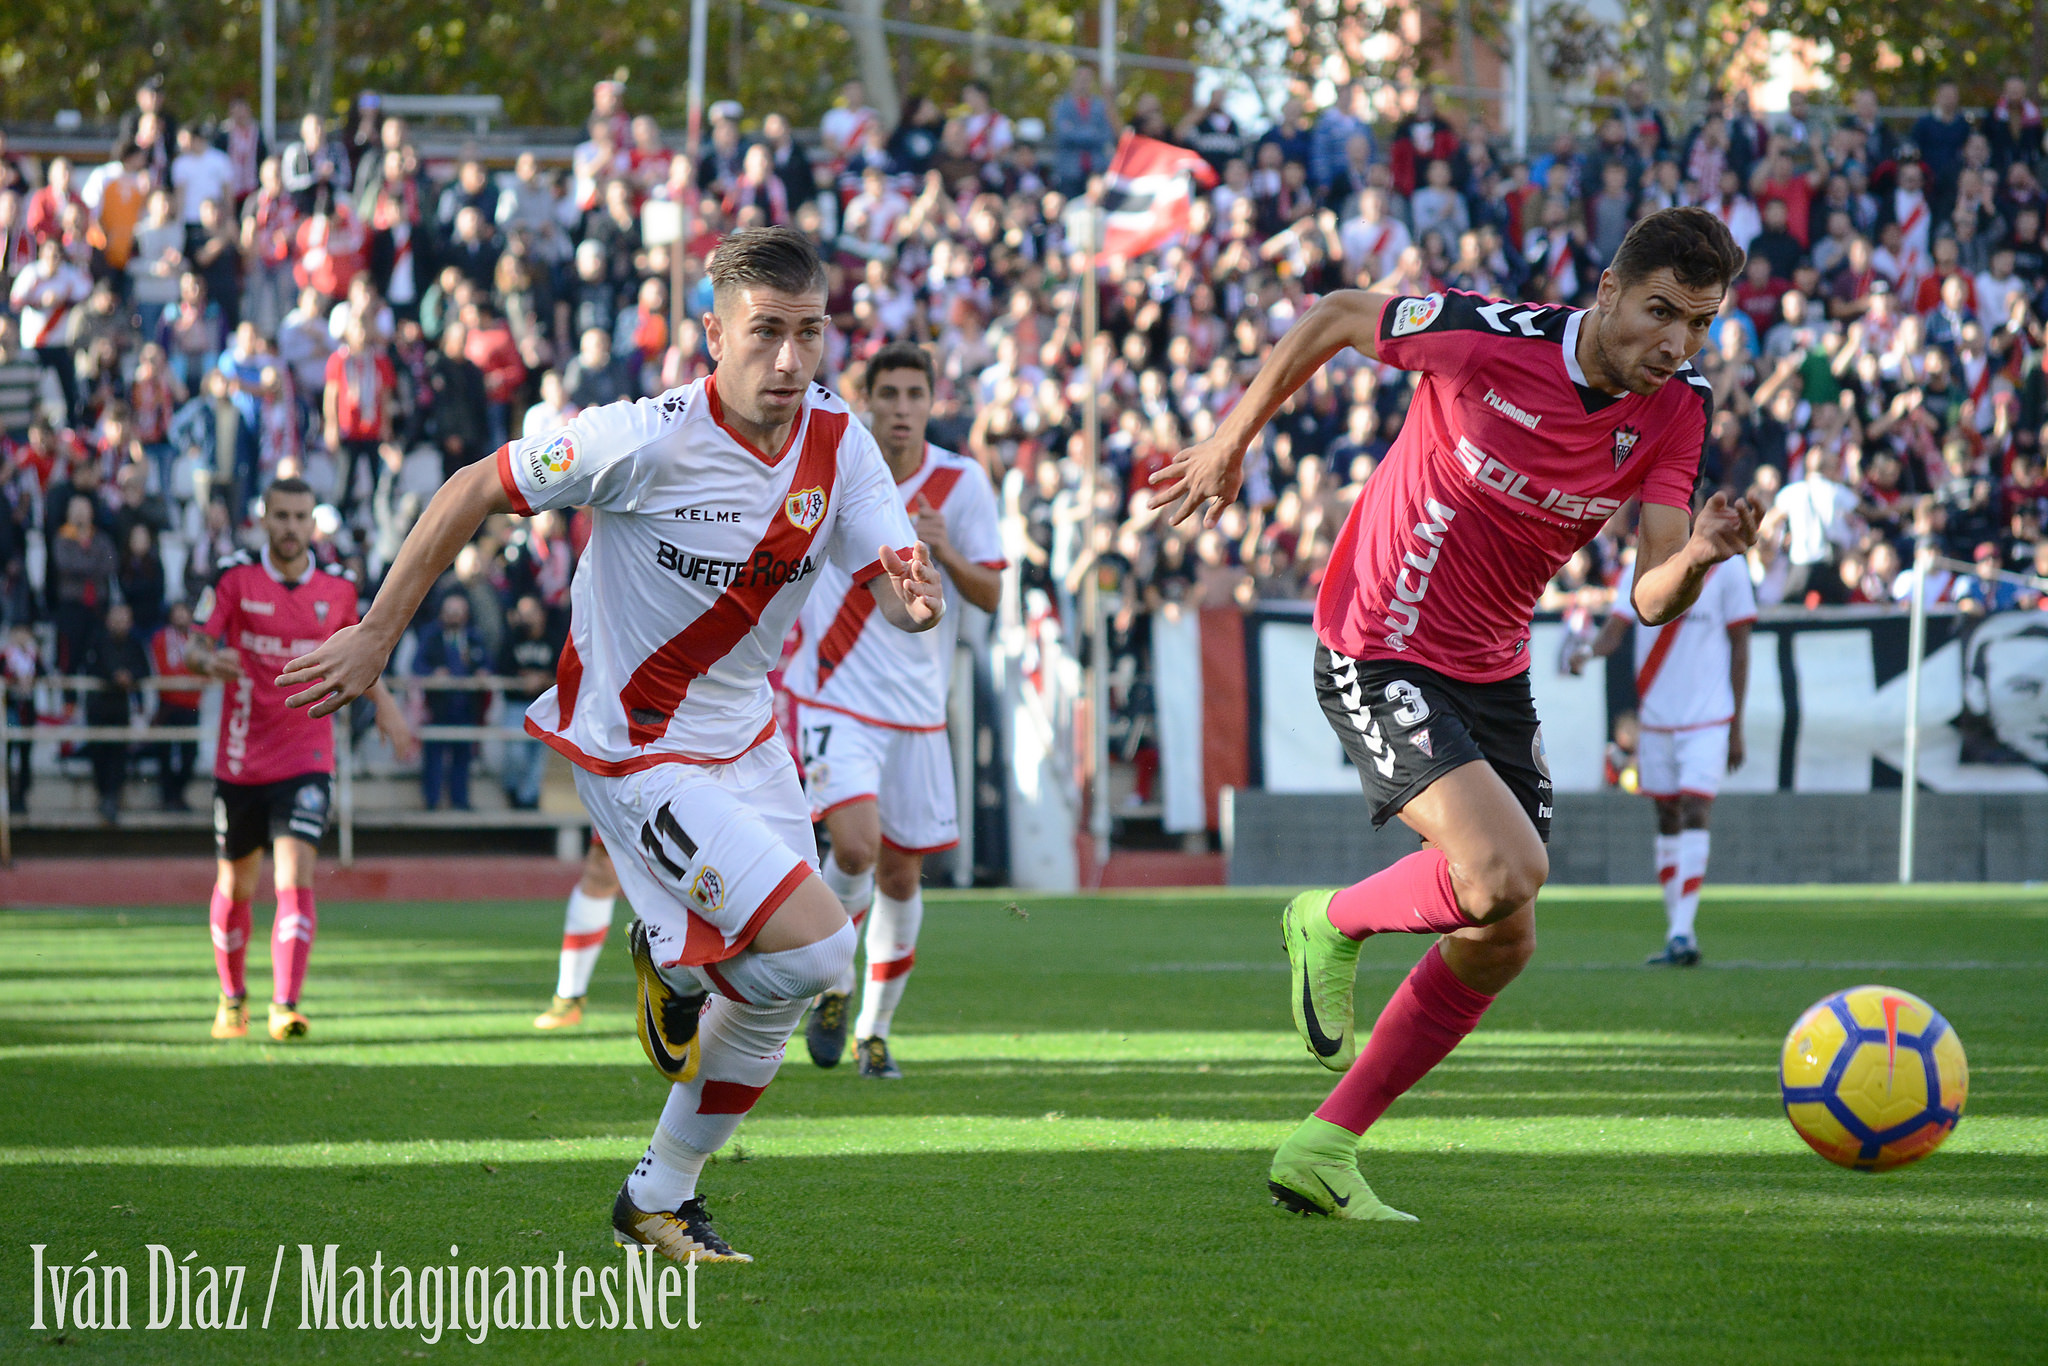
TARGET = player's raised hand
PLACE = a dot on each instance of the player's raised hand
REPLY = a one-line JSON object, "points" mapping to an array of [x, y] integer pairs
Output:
{"points": [[1204, 477], [931, 527], [916, 583], [1724, 529], [345, 666]]}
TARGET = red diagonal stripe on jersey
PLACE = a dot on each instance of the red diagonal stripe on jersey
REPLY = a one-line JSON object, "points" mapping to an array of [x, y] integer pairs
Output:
{"points": [[568, 681], [1660, 649], [663, 679], [847, 623], [852, 617]]}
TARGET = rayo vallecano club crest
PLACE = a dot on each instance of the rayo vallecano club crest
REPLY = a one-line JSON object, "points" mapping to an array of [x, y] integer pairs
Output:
{"points": [[1625, 439], [805, 509]]}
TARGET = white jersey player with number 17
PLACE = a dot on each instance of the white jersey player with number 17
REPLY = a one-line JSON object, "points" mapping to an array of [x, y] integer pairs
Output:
{"points": [[716, 508], [871, 711]]}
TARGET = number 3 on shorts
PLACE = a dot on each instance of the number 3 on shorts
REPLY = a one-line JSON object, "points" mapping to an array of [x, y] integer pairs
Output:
{"points": [[1413, 707]]}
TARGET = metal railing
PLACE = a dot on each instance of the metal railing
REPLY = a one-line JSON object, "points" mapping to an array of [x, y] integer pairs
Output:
{"points": [[568, 825]]}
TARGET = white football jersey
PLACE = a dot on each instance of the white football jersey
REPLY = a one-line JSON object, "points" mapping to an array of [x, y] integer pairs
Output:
{"points": [[1682, 667], [847, 663], [702, 550]]}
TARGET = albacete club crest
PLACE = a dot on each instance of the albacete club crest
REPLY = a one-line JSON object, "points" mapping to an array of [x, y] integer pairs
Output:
{"points": [[806, 509], [1625, 439]]}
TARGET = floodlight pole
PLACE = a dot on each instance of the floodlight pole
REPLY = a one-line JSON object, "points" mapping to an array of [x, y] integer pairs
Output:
{"points": [[270, 73], [1090, 222], [1519, 24], [693, 143], [1909, 777]]}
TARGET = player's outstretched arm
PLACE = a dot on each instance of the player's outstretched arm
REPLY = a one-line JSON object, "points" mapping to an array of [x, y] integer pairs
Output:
{"points": [[1204, 477], [1672, 561], [908, 592], [351, 661]]}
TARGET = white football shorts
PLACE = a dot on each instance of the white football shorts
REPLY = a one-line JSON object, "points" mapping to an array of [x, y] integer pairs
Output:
{"points": [[907, 773], [1672, 763], [705, 852]]}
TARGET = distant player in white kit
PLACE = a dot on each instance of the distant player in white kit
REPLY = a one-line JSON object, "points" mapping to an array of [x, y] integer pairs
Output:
{"points": [[871, 711], [715, 507], [1692, 678]]}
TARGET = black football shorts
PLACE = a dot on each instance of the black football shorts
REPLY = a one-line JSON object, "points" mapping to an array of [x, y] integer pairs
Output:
{"points": [[249, 816], [1404, 726]]}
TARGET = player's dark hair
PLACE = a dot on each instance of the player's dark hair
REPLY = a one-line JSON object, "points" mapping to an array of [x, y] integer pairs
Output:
{"points": [[781, 259], [1694, 245], [291, 483], [899, 355]]}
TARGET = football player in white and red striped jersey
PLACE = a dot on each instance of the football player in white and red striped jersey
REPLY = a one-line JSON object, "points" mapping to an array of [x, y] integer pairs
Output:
{"points": [[1692, 678], [871, 711], [714, 509]]}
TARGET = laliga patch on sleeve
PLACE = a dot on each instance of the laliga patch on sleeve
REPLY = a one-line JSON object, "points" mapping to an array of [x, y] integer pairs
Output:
{"points": [[552, 460], [1412, 315]]}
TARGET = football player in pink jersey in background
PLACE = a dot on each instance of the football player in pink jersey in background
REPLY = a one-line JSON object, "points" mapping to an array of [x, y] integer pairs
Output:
{"points": [[274, 768], [1531, 425]]}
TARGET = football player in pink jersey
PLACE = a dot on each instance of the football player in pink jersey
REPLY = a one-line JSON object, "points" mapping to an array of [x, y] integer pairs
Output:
{"points": [[1692, 678], [714, 509], [1531, 425], [871, 712], [274, 767]]}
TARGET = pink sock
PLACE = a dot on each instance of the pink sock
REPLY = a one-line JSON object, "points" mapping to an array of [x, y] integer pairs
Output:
{"points": [[229, 921], [1413, 896], [291, 943], [1424, 1020]]}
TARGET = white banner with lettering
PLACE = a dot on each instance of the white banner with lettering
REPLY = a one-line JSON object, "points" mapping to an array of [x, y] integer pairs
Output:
{"points": [[1826, 709]]}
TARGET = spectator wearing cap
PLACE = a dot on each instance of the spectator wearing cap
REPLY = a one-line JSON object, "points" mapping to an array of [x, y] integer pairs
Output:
{"points": [[1986, 591]]}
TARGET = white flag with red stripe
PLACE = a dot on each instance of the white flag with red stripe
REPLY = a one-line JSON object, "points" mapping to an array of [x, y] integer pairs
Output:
{"points": [[1147, 199]]}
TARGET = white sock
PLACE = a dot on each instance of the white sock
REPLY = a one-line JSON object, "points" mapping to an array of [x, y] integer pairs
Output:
{"points": [[1666, 855], [856, 893], [1692, 871], [584, 925], [667, 1175], [741, 1048], [892, 949]]}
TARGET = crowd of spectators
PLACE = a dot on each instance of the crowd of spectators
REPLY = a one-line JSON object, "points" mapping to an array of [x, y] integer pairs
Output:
{"points": [[203, 313]]}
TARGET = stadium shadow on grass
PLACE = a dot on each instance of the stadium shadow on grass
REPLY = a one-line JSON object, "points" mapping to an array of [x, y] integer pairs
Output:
{"points": [[1073, 1168]]}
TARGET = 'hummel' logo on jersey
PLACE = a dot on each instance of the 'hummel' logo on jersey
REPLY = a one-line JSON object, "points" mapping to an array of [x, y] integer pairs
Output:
{"points": [[1511, 412]]}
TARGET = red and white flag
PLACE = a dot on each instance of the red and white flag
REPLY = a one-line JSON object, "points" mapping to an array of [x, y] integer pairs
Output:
{"points": [[1146, 201]]}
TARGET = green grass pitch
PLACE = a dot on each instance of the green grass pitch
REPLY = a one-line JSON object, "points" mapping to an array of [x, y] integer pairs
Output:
{"points": [[1073, 1169]]}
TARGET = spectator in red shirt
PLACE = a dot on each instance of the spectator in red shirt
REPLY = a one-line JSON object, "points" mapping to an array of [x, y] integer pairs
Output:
{"points": [[1775, 181], [175, 707], [1421, 139], [357, 409], [491, 348], [1759, 292], [45, 215]]}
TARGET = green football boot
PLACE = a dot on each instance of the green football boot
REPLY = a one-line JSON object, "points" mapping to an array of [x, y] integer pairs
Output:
{"points": [[1322, 968], [1316, 1172]]}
